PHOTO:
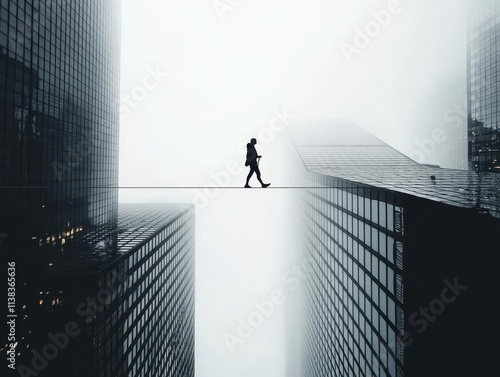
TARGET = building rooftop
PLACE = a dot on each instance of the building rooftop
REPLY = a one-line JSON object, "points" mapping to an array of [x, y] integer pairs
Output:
{"points": [[348, 152], [94, 251]]}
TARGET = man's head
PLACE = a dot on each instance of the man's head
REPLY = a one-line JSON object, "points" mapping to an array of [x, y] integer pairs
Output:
{"points": [[253, 141]]}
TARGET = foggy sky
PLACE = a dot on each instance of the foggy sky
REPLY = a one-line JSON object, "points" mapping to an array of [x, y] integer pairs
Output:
{"points": [[197, 84]]}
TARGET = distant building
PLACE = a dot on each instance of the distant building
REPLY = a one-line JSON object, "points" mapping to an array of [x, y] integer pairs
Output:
{"points": [[456, 149], [403, 258], [133, 306], [483, 89]]}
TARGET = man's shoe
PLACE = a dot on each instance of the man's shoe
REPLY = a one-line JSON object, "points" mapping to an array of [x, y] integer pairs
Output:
{"points": [[247, 186], [264, 185]]}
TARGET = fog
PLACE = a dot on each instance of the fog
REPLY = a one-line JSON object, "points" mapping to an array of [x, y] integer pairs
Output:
{"points": [[200, 78]]}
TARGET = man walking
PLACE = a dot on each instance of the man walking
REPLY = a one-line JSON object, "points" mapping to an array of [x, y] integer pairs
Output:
{"points": [[252, 161]]}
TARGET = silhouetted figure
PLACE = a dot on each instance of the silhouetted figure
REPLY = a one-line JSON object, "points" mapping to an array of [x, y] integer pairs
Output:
{"points": [[252, 161]]}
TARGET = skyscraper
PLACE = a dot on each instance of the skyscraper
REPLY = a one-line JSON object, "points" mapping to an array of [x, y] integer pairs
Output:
{"points": [[402, 258], [59, 89], [100, 291], [133, 308], [483, 86]]}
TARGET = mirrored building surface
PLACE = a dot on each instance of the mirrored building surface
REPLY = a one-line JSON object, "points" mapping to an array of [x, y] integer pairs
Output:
{"points": [[483, 85], [130, 296], [402, 258], [59, 89], [130, 269]]}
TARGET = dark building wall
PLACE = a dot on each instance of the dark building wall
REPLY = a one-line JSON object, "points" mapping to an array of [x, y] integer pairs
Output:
{"points": [[59, 90], [134, 311], [374, 265], [448, 246]]}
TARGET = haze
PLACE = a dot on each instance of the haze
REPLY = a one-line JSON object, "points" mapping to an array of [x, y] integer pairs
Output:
{"points": [[198, 83]]}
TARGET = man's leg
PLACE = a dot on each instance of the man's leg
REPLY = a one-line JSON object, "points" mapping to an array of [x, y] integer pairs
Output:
{"points": [[264, 185], [249, 175], [257, 170]]}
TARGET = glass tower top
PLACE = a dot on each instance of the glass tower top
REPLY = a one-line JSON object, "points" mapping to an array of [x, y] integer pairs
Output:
{"points": [[350, 153]]}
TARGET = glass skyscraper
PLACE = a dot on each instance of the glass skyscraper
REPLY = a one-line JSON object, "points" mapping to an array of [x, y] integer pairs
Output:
{"points": [[59, 90], [117, 283], [401, 260], [134, 305], [483, 85]]}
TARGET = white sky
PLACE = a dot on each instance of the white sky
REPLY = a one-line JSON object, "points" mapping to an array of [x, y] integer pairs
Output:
{"points": [[227, 77]]}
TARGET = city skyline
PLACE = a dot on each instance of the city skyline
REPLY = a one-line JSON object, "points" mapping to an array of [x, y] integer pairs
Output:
{"points": [[161, 114]]}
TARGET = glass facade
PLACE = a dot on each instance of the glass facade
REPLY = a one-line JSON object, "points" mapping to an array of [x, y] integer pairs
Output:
{"points": [[130, 292], [147, 328], [124, 277], [483, 86], [382, 234], [158, 305], [373, 163], [355, 247], [59, 89]]}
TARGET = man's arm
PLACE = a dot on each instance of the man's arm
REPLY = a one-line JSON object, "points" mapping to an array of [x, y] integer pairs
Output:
{"points": [[252, 155]]}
